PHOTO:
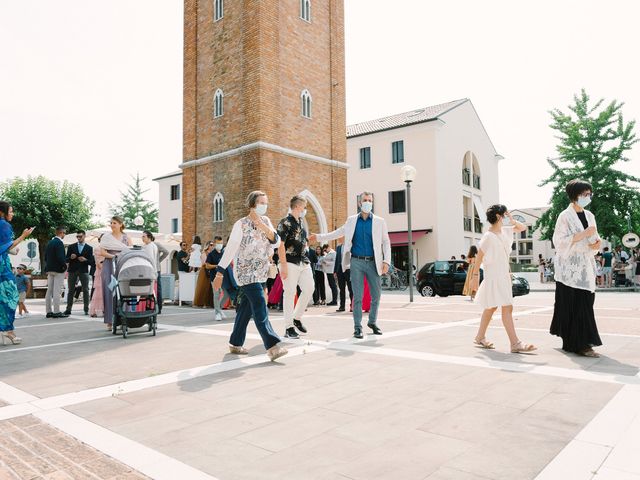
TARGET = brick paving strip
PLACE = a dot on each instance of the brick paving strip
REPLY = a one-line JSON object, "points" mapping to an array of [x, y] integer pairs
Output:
{"points": [[31, 449]]}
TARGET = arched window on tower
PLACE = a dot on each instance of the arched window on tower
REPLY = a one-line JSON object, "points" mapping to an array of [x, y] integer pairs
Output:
{"points": [[218, 104], [306, 100], [218, 208], [305, 10], [218, 10]]}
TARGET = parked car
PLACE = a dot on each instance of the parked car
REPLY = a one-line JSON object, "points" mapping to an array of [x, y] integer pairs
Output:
{"points": [[447, 277]]}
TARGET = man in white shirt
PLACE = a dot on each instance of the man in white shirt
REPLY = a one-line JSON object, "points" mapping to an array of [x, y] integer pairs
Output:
{"points": [[367, 252]]}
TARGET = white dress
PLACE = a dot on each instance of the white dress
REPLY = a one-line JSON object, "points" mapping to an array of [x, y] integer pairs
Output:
{"points": [[194, 259], [495, 290]]}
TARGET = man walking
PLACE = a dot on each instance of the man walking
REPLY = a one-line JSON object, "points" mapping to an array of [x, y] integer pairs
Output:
{"points": [[295, 267], [367, 251], [55, 265], [343, 279], [80, 259]]}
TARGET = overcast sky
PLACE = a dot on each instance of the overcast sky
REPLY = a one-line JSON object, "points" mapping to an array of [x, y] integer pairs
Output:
{"points": [[91, 91]]}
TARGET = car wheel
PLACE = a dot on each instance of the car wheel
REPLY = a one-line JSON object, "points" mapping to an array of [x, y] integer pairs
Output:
{"points": [[427, 291]]}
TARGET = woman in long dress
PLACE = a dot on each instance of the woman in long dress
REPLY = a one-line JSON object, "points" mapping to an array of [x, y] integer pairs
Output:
{"points": [[576, 240], [496, 290], [471, 261], [8, 289], [112, 244], [203, 296], [96, 307]]}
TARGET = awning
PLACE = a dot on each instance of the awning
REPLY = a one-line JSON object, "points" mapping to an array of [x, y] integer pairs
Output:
{"points": [[398, 239], [482, 213]]}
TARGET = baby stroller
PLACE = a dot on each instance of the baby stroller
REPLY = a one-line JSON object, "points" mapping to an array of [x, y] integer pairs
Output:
{"points": [[135, 299]]}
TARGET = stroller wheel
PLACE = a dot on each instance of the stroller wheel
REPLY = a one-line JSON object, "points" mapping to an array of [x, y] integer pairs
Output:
{"points": [[153, 331], [124, 331]]}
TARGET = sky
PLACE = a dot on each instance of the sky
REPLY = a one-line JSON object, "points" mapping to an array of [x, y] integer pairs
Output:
{"points": [[91, 91]]}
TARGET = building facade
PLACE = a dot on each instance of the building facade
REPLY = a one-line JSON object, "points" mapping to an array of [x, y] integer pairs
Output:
{"points": [[457, 177], [529, 244], [170, 202], [264, 109]]}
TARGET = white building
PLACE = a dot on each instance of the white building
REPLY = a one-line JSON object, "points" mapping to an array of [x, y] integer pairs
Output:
{"points": [[457, 177], [170, 202], [528, 244]]}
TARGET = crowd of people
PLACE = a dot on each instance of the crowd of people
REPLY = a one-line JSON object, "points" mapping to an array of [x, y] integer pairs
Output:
{"points": [[262, 265]]}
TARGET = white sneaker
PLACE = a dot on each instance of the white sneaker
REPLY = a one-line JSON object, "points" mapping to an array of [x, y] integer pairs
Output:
{"points": [[26, 314], [218, 317]]}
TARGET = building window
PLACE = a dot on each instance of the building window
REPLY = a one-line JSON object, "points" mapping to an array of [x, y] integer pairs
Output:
{"points": [[365, 158], [175, 192], [397, 202], [218, 104], [397, 152], [218, 10], [174, 225], [305, 10], [218, 208], [305, 98]]}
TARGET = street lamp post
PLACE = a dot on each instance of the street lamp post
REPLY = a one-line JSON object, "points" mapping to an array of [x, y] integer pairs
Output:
{"points": [[408, 175]]}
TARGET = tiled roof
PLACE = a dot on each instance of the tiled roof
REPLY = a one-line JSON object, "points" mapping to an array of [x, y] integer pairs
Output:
{"points": [[403, 119]]}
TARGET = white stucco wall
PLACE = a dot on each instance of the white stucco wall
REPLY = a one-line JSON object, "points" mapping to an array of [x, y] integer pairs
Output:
{"points": [[167, 208]]}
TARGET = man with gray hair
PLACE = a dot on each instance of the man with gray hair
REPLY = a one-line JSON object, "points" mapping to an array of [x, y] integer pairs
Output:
{"points": [[367, 251], [295, 267]]}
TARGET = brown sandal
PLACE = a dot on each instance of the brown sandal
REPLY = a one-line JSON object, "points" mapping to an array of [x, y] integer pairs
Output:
{"points": [[521, 347], [483, 343], [590, 352]]}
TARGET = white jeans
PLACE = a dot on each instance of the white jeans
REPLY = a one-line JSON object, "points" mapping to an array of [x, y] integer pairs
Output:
{"points": [[297, 275], [55, 281]]}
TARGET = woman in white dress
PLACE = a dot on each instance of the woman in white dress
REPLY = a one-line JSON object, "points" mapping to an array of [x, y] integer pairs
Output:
{"points": [[195, 259], [495, 290]]}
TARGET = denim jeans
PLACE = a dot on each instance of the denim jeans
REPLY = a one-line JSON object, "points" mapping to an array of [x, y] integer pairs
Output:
{"points": [[359, 270], [251, 302], [218, 303]]}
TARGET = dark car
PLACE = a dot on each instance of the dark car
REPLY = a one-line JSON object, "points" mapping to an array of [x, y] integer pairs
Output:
{"points": [[447, 277]]}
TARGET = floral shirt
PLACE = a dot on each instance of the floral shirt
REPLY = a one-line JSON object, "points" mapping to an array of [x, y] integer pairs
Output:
{"points": [[294, 236]]}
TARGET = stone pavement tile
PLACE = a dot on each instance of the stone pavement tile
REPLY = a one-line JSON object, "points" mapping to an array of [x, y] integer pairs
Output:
{"points": [[518, 391], [472, 421], [149, 427], [104, 467], [606, 473], [447, 473]]}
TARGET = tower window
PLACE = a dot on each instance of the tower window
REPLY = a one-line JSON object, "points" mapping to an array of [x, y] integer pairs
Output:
{"points": [[305, 10], [218, 104], [218, 208], [305, 98], [218, 10]]}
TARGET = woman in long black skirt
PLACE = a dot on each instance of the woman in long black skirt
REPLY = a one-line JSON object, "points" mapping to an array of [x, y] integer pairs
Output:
{"points": [[576, 240]]}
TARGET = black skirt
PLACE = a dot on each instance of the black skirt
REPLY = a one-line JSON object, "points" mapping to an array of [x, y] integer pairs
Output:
{"points": [[573, 319]]}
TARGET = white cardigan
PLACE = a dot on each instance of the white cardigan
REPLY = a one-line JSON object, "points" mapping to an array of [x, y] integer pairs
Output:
{"points": [[379, 234], [575, 264]]}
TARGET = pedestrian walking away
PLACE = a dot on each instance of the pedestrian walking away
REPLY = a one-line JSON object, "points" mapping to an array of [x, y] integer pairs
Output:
{"points": [[295, 267], [250, 246], [9, 297], [55, 264], [576, 240], [471, 261], [367, 252], [80, 260], [496, 291]]}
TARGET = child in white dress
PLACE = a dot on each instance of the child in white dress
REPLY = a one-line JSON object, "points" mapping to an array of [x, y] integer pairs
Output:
{"points": [[496, 290], [195, 261]]}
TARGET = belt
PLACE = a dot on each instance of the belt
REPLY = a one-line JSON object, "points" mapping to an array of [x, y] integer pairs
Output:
{"points": [[360, 257]]}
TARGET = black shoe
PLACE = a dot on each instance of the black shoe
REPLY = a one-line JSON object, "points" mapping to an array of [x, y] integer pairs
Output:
{"points": [[86, 313], [299, 326], [64, 315], [332, 304], [57, 315], [376, 330], [358, 333], [291, 333], [50, 315], [341, 309], [67, 313]]}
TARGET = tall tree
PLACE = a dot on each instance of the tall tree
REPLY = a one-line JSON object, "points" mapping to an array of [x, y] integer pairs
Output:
{"points": [[593, 140], [46, 204], [132, 204]]}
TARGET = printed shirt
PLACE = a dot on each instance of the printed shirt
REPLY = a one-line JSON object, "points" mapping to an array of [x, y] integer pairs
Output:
{"points": [[294, 237]]}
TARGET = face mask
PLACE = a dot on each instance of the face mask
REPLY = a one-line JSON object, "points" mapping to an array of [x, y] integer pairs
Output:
{"points": [[218, 246], [584, 201], [304, 213], [261, 209], [366, 207], [505, 220]]}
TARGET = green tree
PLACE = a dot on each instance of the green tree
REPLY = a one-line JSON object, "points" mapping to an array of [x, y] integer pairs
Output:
{"points": [[47, 204], [132, 203], [593, 140]]}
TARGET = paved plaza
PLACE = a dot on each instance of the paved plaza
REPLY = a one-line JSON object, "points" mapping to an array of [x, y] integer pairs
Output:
{"points": [[419, 402]]}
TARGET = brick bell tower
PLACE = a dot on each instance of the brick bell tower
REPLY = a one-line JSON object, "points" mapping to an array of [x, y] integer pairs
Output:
{"points": [[264, 109]]}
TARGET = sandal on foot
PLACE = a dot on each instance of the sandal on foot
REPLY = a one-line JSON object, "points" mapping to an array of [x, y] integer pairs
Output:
{"points": [[484, 343], [521, 347], [589, 353]]}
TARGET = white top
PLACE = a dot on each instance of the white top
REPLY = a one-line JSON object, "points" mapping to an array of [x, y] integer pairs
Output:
{"points": [[152, 250], [575, 264], [194, 259], [250, 250], [495, 289], [328, 262]]}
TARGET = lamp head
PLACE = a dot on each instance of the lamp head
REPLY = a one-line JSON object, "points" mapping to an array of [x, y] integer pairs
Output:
{"points": [[138, 221], [408, 173]]}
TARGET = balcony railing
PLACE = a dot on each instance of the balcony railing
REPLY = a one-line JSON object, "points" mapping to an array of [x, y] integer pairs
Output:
{"points": [[477, 225], [525, 252], [476, 181], [467, 224], [466, 176]]}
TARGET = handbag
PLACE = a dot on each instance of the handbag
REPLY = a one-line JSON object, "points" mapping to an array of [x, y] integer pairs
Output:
{"points": [[273, 271]]}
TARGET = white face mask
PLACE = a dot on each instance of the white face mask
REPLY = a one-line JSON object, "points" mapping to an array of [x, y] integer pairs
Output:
{"points": [[505, 220], [366, 207], [584, 201], [218, 246], [304, 213], [261, 209]]}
